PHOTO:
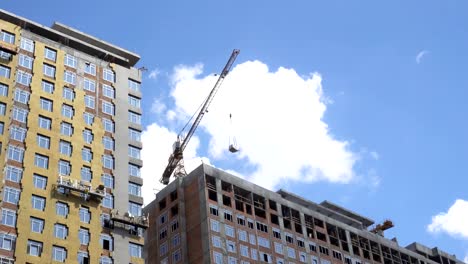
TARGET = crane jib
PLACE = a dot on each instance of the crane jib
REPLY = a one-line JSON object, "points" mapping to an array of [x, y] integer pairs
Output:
{"points": [[176, 156]]}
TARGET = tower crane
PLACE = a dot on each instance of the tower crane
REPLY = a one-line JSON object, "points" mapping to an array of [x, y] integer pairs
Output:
{"points": [[176, 162]]}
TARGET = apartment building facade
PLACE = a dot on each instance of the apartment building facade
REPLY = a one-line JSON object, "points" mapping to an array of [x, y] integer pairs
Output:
{"points": [[70, 125], [211, 216]]}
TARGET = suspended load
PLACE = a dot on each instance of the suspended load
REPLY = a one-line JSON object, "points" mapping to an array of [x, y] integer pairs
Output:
{"points": [[233, 147]]}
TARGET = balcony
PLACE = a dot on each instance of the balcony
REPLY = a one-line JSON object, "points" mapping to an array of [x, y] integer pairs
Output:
{"points": [[10, 48], [82, 188]]}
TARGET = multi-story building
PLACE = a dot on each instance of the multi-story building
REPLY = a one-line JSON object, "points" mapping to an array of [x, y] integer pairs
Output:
{"points": [[70, 124], [211, 216]]}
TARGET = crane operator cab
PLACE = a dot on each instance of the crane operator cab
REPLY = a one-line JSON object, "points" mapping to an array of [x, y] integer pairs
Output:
{"points": [[233, 147]]}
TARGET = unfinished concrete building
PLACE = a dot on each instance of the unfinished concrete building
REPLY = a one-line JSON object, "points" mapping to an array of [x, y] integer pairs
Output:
{"points": [[211, 216]]}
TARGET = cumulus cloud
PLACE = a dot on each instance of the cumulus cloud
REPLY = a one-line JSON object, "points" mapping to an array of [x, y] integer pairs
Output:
{"points": [[158, 107], [466, 259], [277, 121], [420, 55], [374, 155], [154, 74], [452, 222]]}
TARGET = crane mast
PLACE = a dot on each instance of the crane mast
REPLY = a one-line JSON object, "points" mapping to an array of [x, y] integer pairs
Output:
{"points": [[175, 164]]}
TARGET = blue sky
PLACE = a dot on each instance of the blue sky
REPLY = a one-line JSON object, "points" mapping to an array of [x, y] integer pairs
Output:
{"points": [[394, 122]]}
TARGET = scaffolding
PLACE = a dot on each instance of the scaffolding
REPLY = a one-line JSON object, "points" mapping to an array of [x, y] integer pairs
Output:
{"points": [[128, 219], [83, 188]]}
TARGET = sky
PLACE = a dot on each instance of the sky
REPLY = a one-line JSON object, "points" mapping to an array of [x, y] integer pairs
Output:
{"points": [[362, 103]]}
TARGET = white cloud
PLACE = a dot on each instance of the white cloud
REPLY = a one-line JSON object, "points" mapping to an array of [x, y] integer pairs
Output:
{"points": [[154, 74], [466, 259], [420, 55], [277, 116], [453, 222], [374, 155], [158, 107]]}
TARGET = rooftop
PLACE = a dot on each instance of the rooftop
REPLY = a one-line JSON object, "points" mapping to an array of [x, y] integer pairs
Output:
{"points": [[75, 39]]}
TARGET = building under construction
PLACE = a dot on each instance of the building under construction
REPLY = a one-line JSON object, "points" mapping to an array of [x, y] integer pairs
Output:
{"points": [[211, 216]]}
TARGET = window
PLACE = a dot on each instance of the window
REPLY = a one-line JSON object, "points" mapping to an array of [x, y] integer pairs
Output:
{"points": [[37, 225], [252, 239], [218, 258], [108, 75], [134, 135], [253, 254], [86, 154], [216, 240], [108, 162], [163, 249], [86, 174], [50, 54], [7, 37], [43, 141], [65, 148], [135, 250], [4, 71], [134, 152], [107, 180], [134, 118], [67, 111], [88, 118], [276, 233], [3, 89], [68, 94], [163, 218], [47, 87], [40, 182], [61, 209], [85, 215], [18, 133], [45, 122], [134, 189], [313, 247], [23, 77], [291, 252], [15, 153], [108, 125], [134, 101], [64, 167], [66, 129], [6, 55], [83, 234], [231, 246], [90, 68], [60, 231], [89, 85], [46, 104], [213, 210], [107, 108], [13, 174], [228, 215], [88, 136], [229, 230], [108, 201], [2, 128], [21, 96], [324, 250], [106, 242], [289, 238], [176, 256], [302, 257], [8, 217], [214, 225], [69, 77], [175, 240], [242, 235], [34, 248], [70, 61], [48, 70], [108, 91], [27, 44], [11, 195], [38, 202], [41, 161], [3, 109], [300, 242], [134, 209], [90, 101], [133, 85], [108, 143], [244, 251], [278, 248], [263, 242], [105, 260], [83, 257], [262, 227], [134, 170], [59, 254], [25, 61]]}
